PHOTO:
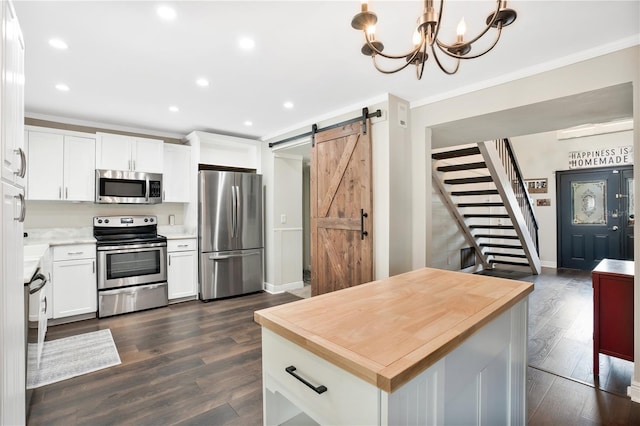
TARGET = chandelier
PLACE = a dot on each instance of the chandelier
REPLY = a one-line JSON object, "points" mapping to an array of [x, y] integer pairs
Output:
{"points": [[425, 37]]}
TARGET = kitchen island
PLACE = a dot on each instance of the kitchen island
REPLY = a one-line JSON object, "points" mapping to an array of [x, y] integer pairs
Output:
{"points": [[424, 347]]}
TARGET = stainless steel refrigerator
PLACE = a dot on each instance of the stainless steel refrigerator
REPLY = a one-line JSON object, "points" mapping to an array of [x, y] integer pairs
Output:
{"points": [[229, 233]]}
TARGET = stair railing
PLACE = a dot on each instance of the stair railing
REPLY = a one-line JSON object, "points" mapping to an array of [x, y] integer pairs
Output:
{"points": [[510, 164]]}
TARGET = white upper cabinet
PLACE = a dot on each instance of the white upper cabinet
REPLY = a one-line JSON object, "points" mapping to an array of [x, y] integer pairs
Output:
{"points": [[175, 174], [61, 167], [118, 152], [13, 158]]}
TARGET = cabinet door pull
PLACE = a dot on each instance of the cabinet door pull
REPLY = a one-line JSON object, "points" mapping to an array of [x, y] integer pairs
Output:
{"points": [[129, 165], [183, 245], [66, 193], [46, 305], [23, 163], [318, 389], [74, 253], [23, 208], [60, 192], [169, 260], [93, 267]]}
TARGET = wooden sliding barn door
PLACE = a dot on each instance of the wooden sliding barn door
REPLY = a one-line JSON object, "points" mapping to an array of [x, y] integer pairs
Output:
{"points": [[341, 209]]}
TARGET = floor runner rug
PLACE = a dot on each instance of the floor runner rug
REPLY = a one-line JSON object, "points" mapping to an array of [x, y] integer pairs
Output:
{"points": [[72, 356]]}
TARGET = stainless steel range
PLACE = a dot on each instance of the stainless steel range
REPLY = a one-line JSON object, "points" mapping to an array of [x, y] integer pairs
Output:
{"points": [[132, 264]]}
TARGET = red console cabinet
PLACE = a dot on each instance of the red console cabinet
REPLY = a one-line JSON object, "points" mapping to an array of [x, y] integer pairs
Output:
{"points": [[612, 310]]}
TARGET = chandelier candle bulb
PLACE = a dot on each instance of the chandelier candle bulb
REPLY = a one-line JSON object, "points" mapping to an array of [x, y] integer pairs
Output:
{"points": [[417, 39], [364, 7], [462, 28]]}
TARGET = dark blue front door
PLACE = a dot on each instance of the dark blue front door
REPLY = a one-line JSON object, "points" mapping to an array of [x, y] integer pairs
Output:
{"points": [[595, 216]]}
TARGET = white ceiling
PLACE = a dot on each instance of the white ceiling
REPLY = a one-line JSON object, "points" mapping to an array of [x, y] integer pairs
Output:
{"points": [[125, 66]]}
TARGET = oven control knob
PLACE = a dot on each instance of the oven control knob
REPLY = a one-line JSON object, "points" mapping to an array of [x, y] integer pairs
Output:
{"points": [[106, 221], [146, 220], [151, 219], [99, 220]]}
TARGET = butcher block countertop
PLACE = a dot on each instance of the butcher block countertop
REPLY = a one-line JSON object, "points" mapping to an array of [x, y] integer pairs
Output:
{"points": [[386, 332]]}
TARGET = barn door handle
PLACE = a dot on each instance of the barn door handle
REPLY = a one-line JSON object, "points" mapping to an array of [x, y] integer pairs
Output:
{"points": [[318, 389], [363, 233]]}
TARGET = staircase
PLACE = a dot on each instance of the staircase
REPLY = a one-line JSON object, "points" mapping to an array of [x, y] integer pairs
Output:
{"points": [[483, 188]]}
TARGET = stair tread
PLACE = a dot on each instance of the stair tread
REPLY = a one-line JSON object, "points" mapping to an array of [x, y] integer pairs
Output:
{"points": [[495, 253], [509, 246], [508, 262], [492, 204], [496, 215], [460, 167], [491, 226], [504, 237], [476, 192], [455, 153], [468, 180]]}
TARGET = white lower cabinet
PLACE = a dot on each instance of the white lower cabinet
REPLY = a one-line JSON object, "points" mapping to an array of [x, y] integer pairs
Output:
{"points": [[74, 280], [346, 399], [482, 381], [182, 268]]}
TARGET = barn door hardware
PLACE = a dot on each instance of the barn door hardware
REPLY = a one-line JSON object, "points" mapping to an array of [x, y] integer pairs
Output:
{"points": [[314, 129], [363, 233]]}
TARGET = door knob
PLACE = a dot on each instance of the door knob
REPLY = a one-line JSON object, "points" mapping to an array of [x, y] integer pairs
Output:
{"points": [[614, 228]]}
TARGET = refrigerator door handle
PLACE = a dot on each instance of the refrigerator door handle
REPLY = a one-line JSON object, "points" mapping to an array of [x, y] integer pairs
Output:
{"points": [[234, 213], [235, 234], [231, 256]]}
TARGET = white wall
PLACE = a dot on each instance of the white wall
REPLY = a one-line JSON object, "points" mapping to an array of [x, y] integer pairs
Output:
{"points": [[286, 224], [540, 156], [399, 165]]}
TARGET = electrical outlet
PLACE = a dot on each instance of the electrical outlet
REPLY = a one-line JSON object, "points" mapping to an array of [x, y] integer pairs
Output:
{"points": [[283, 218]]}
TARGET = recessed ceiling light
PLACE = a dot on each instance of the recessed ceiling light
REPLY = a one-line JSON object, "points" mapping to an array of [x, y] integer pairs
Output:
{"points": [[248, 123], [202, 82], [58, 44], [166, 13], [174, 108], [62, 87], [246, 43], [288, 105]]}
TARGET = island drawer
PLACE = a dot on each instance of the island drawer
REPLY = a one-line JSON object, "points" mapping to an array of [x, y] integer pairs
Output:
{"points": [[73, 252], [346, 400]]}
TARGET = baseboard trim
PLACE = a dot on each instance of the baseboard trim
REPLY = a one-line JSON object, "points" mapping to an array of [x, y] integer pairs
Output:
{"points": [[549, 264], [634, 391], [277, 289]]}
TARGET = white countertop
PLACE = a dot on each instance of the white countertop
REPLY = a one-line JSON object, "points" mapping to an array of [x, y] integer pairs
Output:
{"points": [[176, 232], [32, 256], [59, 236]]}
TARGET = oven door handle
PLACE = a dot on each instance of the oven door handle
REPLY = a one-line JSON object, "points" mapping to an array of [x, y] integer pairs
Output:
{"points": [[131, 248], [43, 281]]}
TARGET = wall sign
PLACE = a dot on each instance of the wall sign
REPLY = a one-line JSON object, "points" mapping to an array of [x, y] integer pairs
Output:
{"points": [[604, 157], [536, 186]]}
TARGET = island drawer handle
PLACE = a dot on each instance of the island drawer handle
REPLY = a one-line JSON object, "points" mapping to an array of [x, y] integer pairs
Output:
{"points": [[319, 389]]}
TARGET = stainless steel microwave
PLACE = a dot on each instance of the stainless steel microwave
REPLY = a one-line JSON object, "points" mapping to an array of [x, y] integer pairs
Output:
{"points": [[124, 187]]}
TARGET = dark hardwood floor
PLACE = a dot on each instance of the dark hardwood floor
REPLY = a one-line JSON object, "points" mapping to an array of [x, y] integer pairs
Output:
{"points": [[198, 363], [189, 363]]}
